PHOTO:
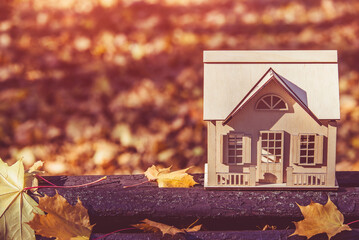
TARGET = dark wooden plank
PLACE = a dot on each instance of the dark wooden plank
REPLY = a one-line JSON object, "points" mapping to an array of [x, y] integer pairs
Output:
{"points": [[228, 235], [112, 207]]}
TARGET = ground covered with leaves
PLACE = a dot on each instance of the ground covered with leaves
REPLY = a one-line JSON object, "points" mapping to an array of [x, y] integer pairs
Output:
{"points": [[112, 87]]}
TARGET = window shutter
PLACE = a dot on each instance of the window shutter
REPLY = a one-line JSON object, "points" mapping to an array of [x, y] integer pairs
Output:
{"points": [[224, 141], [318, 146], [294, 148], [247, 149]]}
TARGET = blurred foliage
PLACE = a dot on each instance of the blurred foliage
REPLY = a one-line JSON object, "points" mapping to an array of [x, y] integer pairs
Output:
{"points": [[110, 86]]}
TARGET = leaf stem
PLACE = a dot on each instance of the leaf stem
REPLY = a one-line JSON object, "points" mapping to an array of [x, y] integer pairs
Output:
{"points": [[137, 184], [353, 222], [192, 224], [113, 233], [45, 180], [75, 186]]}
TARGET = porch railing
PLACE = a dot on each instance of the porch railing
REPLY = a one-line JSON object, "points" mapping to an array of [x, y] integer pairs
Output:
{"points": [[233, 179], [305, 179]]}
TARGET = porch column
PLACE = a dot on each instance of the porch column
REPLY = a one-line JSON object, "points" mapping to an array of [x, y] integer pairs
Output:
{"points": [[211, 153], [331, 153], [290, 176], [252, 175]]}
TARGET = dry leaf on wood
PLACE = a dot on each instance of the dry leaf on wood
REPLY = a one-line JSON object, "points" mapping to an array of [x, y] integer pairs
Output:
{"points": [[16, 207], [320, 218], [74, 220], [167, 179], [153, 172], [152, 226], [30, 174]]}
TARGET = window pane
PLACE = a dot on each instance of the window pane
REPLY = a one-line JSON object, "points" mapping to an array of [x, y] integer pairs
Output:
{"points": [[275, 100], [278, 144], [271, 144], [278, 136], [264, 136], [271, 158], [231, 153], [239, 160], [271, 151], [311, 145], [280, 105], [268, 100], [231, 160], [264, 143], [303, 160], [262, 105], [303, 152], [310, 152], [278, 152], [303, 138], [271, 136], [310, 159], [311, 138]]}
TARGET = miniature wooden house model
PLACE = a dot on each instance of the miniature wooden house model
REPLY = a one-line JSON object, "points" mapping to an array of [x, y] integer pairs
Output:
{"points": [[271, 118]]}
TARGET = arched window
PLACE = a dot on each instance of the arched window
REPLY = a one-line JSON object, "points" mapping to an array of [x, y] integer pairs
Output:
{"points": [[271, 102]]}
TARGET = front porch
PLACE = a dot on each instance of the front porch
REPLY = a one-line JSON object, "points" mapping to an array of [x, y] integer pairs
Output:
{"points": [[248, 180]]}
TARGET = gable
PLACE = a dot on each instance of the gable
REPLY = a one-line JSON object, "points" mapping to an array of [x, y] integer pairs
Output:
{"points": [[227, 81], [269, 77]]}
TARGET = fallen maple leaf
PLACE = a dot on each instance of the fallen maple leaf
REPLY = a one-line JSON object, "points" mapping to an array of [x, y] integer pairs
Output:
{"points": [[30, 174], [152, 226], [74, 220], [153, 172], [320, 219], [16, 207], [167, 179]]}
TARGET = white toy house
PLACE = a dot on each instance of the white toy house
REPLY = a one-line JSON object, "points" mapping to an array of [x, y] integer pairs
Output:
{"points": [[271, 119]]}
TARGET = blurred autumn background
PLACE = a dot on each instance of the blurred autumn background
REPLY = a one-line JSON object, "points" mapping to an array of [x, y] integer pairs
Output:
{"points": [[111, 86]]}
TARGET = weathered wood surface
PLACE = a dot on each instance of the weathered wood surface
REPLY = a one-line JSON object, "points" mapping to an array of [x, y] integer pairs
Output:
{"points": [[112, 207], [231, 235]]}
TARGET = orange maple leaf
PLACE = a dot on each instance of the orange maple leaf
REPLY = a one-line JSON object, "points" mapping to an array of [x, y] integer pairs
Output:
{"points": [[320, 218], [152, 226], [74, 221]]}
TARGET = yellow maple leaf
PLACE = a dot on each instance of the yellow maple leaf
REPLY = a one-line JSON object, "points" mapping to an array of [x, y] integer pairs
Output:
{"points": [[167, 179], [30, 174], [74, 220], [153, 172], [320, 218], [152, 226], [16, 207]]}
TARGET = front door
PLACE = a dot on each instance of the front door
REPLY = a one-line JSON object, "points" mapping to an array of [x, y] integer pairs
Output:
{"points": [[270, 160]]}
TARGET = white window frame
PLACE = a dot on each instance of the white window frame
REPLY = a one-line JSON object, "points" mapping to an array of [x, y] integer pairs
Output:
{"points": [[271, 106], [277, 145], [307, 141], [238, 142]]}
